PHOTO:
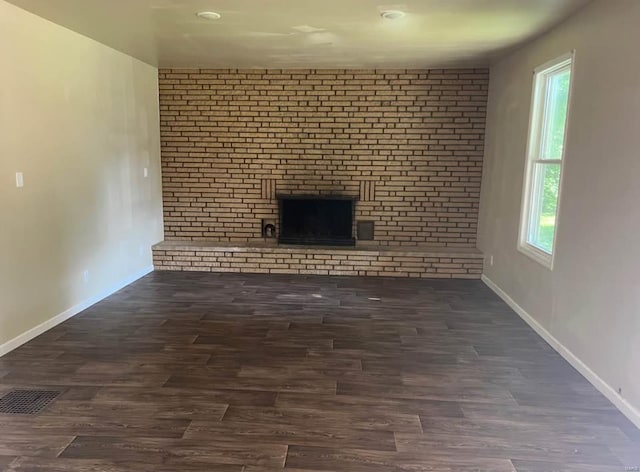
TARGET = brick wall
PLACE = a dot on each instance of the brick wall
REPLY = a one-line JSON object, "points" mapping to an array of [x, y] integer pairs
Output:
{"points": [[409, 144]]}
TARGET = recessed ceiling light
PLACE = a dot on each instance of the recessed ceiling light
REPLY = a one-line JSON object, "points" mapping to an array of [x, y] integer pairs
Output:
{"points": [[209, 15], [392, 14]]}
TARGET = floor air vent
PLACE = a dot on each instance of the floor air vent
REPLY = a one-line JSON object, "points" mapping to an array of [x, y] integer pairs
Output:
{"points": [[27, 402]]}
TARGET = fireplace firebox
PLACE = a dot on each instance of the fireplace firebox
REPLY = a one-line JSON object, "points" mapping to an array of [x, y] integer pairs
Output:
{"points": [[314, 220]]}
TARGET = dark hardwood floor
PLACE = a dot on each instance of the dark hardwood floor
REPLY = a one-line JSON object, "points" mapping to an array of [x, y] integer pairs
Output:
{"points": [[211, 372]]}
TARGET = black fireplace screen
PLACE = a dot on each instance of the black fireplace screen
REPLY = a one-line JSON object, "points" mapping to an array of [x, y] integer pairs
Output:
{"points": [[316, 220]]}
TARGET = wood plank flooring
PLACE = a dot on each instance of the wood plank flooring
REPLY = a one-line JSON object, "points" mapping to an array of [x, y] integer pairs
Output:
{"points": [[252, 373]]}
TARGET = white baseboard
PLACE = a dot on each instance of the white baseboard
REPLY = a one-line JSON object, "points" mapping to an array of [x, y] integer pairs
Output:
{"points": [[620, 403], [65, 315]]}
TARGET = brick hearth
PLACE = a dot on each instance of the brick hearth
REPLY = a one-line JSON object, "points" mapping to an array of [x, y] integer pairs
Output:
{"points": [[363, 261]]}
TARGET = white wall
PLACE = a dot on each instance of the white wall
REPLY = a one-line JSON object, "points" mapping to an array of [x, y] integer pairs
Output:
{"points": [[590, 302], [80, 120]]}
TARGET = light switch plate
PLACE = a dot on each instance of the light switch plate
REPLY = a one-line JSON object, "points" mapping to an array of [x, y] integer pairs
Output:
{"points": [[19, 179], [146, 172]]}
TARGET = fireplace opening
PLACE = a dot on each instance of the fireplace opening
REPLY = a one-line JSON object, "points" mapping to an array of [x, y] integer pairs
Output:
{"points": [[316, 220]]}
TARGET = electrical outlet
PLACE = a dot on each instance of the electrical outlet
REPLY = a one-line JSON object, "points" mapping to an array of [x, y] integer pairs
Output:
{"points": [[85, 276], [19, 179], [491, 260]]}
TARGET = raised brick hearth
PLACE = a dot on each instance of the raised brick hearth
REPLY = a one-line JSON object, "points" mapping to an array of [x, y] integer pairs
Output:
{"points": [[363, 261]]}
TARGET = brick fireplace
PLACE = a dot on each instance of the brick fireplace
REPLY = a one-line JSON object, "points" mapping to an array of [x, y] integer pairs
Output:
{"points": [[407, 145]]}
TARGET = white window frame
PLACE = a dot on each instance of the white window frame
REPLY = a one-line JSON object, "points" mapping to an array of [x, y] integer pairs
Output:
{"points": [[533, 156]]}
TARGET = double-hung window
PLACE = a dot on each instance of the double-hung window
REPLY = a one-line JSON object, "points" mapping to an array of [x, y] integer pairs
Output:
{"points": [[547, 132]]}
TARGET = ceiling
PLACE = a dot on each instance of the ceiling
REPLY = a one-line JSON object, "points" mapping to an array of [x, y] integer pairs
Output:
{"points": [[307, 33]]}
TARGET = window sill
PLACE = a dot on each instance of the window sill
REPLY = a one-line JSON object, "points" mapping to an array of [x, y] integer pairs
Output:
{"points": [[541, 257]]}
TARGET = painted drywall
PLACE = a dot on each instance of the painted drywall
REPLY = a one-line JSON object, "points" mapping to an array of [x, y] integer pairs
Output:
{"points": [[80, 121], [590, 301]]}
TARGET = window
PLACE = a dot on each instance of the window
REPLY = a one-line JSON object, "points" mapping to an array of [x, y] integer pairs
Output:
{"points": [[547, 131]]}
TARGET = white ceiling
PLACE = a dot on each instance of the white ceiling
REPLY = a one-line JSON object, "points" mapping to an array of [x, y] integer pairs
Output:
{"points": [[345, 33]]}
